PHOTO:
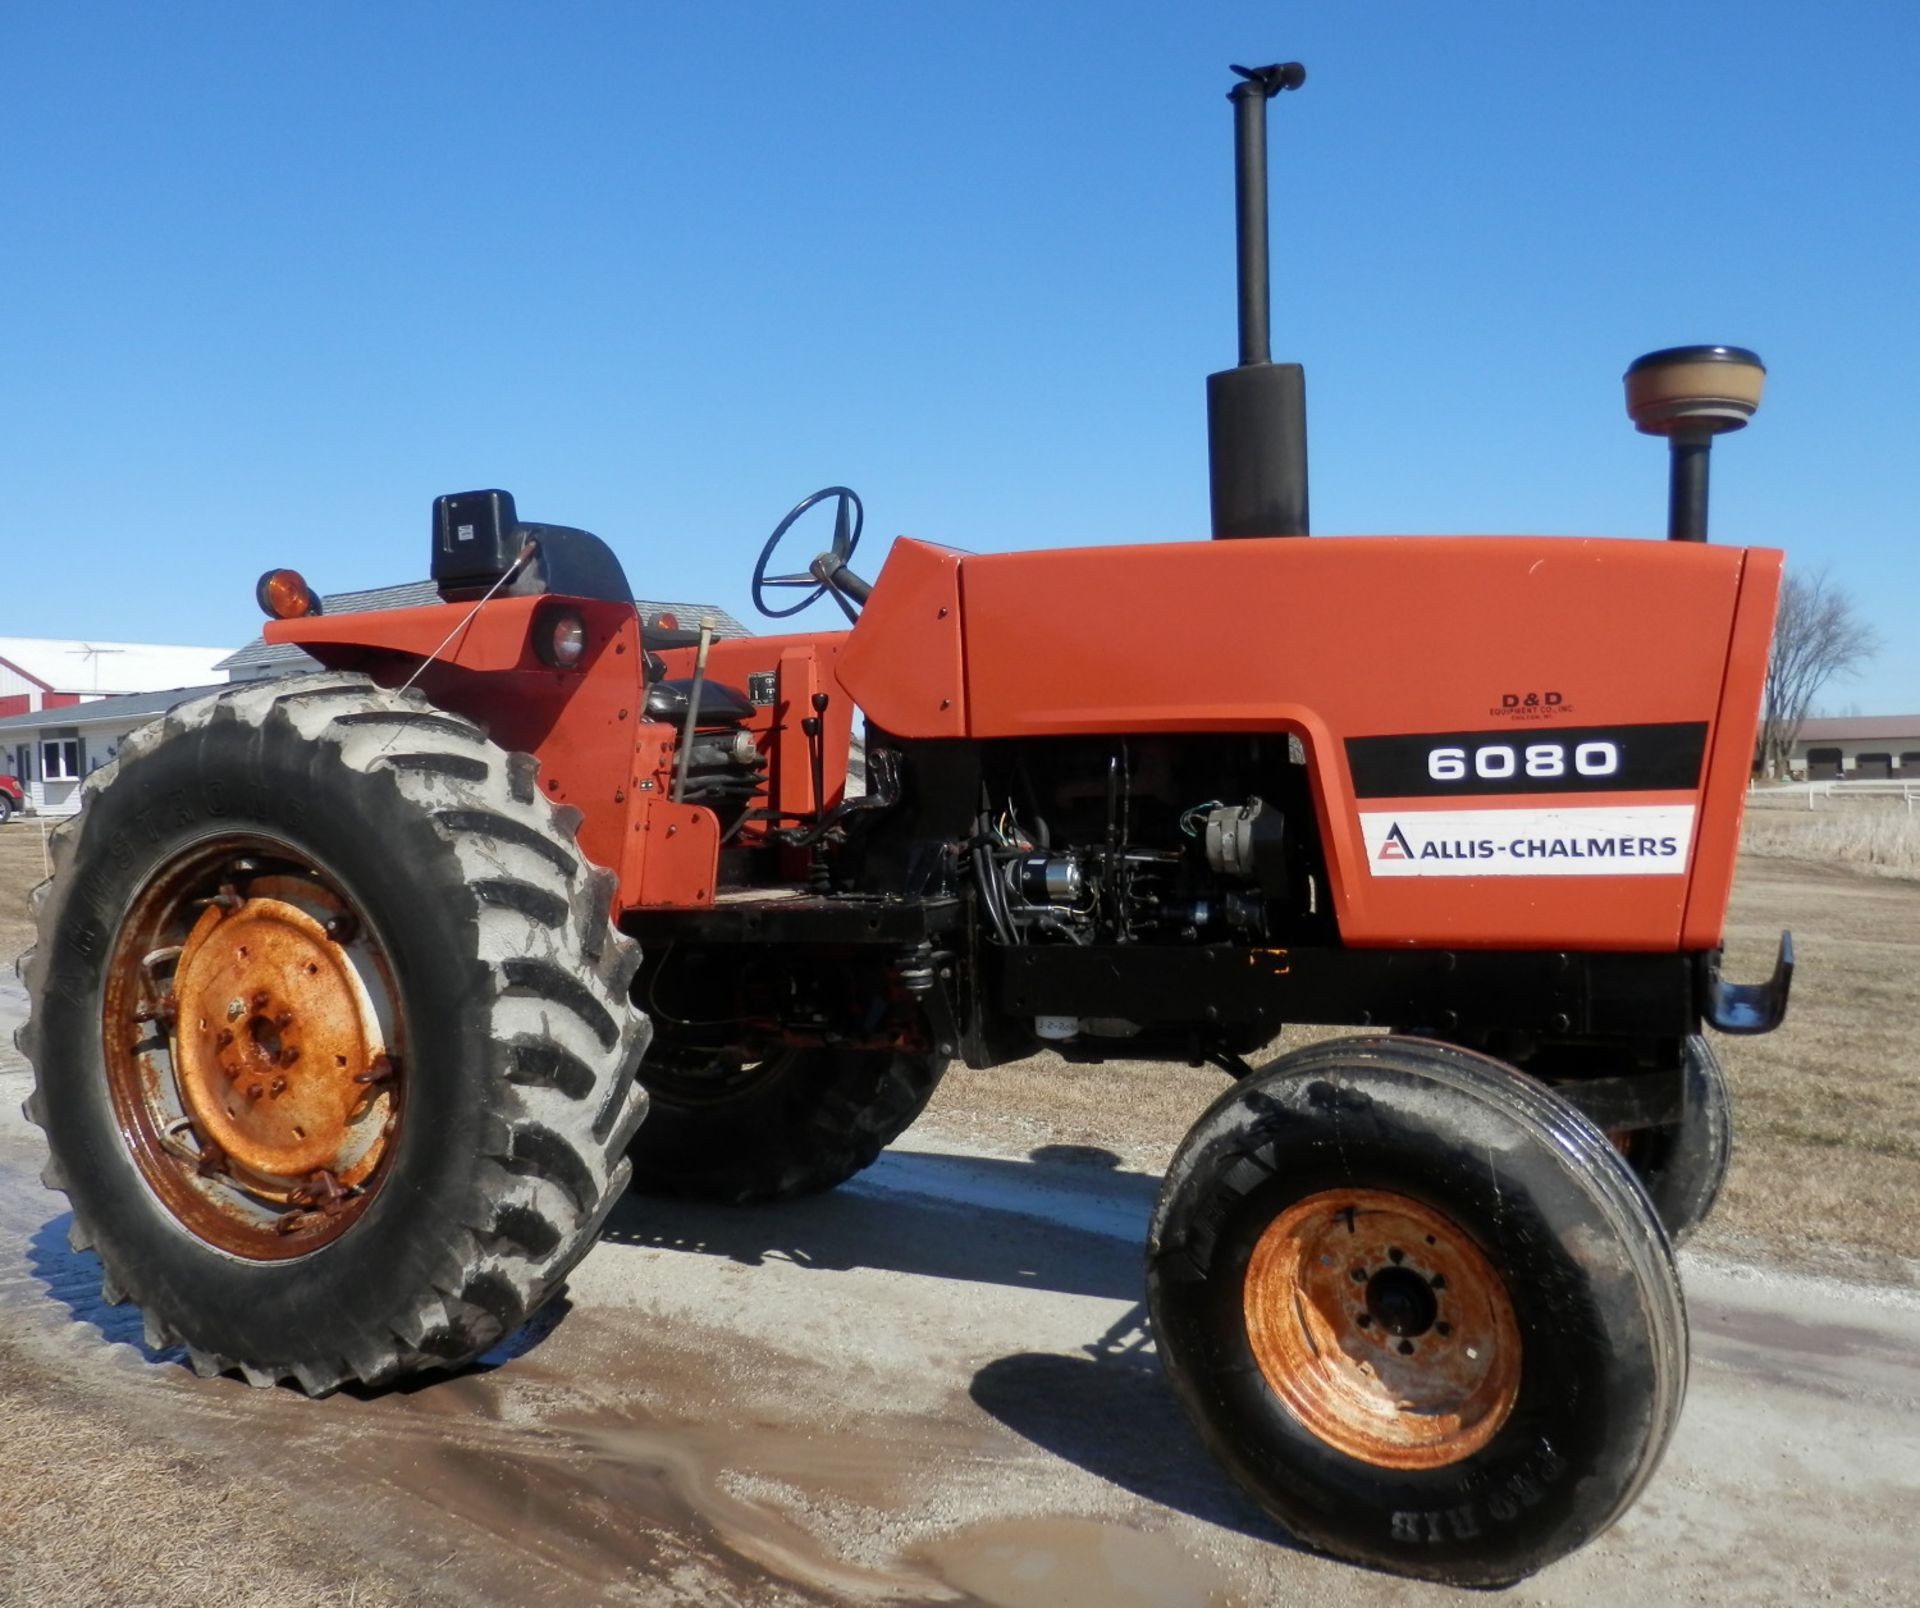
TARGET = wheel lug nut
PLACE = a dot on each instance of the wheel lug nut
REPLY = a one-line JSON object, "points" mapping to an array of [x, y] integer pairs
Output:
{"points": [[1359, 1275], [260, 1000], [254, 1091], [381, 1069], [1443, 1328], [289, 1055], [1406, 1348], [278, 1087], [1395, 1254], [223, 1038], [1365, 1320], [284, 1019], [1438, 1281], [236, 1008]]}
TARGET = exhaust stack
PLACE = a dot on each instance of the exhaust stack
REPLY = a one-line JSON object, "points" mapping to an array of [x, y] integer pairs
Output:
{"points": [[1257, 413]]}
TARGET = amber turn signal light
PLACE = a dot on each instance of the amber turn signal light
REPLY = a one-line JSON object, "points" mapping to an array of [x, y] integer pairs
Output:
{"points": [[283, 594]]}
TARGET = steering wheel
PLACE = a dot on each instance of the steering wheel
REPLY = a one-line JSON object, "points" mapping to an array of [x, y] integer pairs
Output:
{"points": [[848, 519]]}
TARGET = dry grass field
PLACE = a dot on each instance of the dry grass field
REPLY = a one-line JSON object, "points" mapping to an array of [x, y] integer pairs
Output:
{"points": [[1876, 835], [20, 870], [93, 1521]]}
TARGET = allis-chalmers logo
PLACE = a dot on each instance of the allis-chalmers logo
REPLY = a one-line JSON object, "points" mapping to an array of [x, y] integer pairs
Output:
{"points": [[1563, 840], [1396, 846]]}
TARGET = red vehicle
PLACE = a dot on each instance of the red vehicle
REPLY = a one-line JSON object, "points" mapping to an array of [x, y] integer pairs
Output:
{"points": [[344, 982], [13, 800]]}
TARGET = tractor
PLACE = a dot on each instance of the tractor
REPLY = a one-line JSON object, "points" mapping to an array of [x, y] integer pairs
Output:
{"points": [[361, 996]]}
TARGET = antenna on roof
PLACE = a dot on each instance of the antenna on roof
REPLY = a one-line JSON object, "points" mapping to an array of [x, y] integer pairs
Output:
{"points": [[92, 654]]}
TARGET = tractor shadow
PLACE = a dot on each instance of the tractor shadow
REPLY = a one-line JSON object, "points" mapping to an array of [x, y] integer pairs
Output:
{"points": [[1068, 1221], [1111, 1412], [72, 1278]]}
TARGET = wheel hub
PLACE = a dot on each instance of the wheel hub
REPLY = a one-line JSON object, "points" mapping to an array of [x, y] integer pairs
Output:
{"points": [[1401, 1302], [1383, 1328], [254, 1048], [275, 1036]]}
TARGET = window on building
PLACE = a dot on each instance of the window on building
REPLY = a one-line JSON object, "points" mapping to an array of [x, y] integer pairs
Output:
{"points": [[60, 759]]}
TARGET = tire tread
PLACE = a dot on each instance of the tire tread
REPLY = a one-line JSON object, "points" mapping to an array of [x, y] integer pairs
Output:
{"points": [[555, 1163]]}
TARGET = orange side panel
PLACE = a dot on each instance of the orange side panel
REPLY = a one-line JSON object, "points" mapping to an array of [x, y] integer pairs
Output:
{"points": [[1338, 638], [1731, 764], [494, 638], [904, 663], [800, 676], [802, 665], [584, 726], [671, 860]]}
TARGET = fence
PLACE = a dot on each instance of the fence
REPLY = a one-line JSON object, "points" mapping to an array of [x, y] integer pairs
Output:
{"points": [[1828, 795]]}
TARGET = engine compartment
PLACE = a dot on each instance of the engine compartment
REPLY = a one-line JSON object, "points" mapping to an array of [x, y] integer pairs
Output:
{"points": [[1177, 838]]}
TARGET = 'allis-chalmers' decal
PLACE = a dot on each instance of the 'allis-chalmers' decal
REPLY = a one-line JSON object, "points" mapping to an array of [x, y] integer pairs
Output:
{"points": [[1573, 759], [1578, 840]]}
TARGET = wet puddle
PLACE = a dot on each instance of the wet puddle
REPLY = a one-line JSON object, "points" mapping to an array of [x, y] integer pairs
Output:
{"points": [[586, 1461], [1072, 1563]]}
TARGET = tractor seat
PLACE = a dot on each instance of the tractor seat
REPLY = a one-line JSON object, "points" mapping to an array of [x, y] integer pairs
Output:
{"points": [[720, 705]]}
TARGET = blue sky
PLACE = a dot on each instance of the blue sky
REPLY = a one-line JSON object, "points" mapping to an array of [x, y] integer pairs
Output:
{"points": [[271, 277]]}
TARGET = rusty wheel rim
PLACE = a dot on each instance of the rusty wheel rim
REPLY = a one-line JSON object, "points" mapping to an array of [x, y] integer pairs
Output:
{"points": [[1383, 1328], [253, 1047]]}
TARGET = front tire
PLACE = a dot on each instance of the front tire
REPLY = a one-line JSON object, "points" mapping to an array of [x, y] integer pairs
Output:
{"points": [[1419, 1308], [330, 1034]]}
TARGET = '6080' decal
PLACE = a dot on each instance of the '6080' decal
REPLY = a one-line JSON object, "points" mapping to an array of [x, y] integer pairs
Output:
{"points": [[1578, 759]]}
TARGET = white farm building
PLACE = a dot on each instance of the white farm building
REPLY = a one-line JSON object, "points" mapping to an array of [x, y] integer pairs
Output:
{"points": [[1858, 748], [65, 707]]}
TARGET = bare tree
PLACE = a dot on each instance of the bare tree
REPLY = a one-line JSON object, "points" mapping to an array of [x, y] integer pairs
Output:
{"points": [[1817, 635]]}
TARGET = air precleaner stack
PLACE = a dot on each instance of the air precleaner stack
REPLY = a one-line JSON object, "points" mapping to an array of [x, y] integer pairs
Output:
{"points": [[1257, 412]]}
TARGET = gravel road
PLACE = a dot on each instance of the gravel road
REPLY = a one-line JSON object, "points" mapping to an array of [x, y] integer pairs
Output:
{"points": [[931, 1386]]}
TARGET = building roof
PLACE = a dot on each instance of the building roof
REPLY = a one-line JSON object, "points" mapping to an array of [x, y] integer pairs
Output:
{"points": [[108, 711], [91, 667], [411, 595], [1861, 729], [418, 594]]}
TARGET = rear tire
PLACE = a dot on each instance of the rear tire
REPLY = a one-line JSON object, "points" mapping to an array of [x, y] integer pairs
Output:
{"points": [[436, 911], [1683, 1167], [798, 1123], [1487, 1387]]}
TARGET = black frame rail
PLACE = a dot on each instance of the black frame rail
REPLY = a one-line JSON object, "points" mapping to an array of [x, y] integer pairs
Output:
{"points": [[1555, 994]]}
